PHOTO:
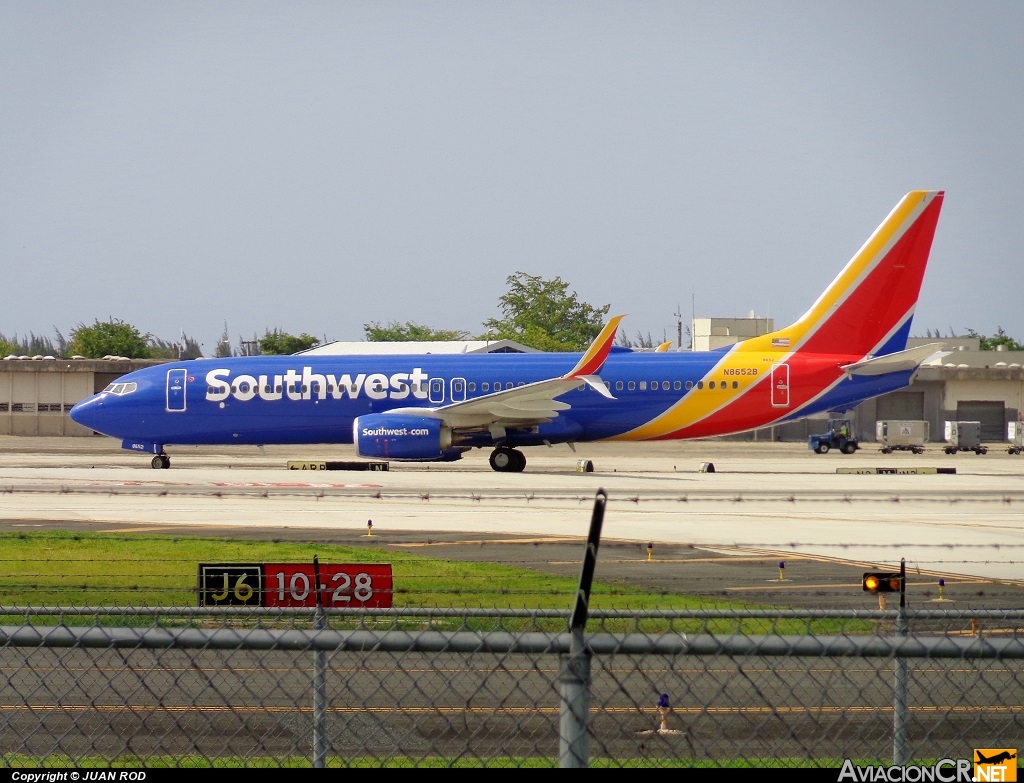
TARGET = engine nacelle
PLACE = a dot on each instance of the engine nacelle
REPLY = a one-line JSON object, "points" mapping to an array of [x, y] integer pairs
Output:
{"points": [[403, 437]]}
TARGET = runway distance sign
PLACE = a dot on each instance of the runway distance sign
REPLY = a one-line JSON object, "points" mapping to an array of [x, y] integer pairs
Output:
{"points": [[293, 585]]}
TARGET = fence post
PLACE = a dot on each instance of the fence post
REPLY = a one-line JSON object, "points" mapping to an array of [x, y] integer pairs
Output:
{"points": [[574, 680], [899, 707], [319, 679]]}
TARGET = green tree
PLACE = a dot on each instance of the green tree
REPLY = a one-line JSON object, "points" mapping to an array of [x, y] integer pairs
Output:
{"points": [[186, 348], [999, 338], [545, 314], [32, 345], [278, 342], [109, 338], [395, 332]]}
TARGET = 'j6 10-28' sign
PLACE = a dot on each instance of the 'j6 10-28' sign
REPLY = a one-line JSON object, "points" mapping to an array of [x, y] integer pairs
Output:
{"points": [[342, 586]]}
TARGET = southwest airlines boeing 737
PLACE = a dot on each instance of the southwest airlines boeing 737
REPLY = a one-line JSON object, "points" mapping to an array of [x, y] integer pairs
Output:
{"points": [[848, 347]]}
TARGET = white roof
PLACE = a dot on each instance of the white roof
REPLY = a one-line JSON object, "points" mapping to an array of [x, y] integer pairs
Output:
{"points": [[340, 348]]}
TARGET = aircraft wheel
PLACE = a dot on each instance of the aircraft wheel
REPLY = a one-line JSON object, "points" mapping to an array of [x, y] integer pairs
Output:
{"points": [[519, 464], [823, 448], [161, 461], [503, 460], [507, 460]]}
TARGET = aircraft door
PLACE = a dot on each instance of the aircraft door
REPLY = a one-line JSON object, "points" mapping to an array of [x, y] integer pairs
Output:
{"points": [[458, 389], [176, 390], [780, 386], [437, 389]]}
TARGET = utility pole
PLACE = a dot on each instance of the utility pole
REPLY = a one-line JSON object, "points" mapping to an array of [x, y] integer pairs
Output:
{"points": [[679, 315]]}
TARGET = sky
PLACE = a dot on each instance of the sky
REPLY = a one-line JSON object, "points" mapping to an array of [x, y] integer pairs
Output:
{"points": [[316, 166]]}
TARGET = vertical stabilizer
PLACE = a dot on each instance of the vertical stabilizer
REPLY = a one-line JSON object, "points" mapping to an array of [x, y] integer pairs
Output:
{"points": [[868, 308]]}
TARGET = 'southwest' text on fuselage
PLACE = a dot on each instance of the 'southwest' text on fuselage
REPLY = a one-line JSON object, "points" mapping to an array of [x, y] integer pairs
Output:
{"points": [[308, 385]]}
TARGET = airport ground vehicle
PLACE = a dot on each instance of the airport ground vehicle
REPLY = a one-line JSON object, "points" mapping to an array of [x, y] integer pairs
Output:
{"points": [[1015, 434], [839, 436], [902, 435], [964, 436]]}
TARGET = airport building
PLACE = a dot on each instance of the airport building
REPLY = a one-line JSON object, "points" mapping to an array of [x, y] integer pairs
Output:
{"points": [[36, 393]]}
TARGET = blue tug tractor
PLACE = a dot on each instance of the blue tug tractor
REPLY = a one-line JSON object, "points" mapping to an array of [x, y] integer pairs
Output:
{"points": [[839, 436]]}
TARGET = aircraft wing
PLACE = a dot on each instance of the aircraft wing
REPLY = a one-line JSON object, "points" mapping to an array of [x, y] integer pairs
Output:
{"points": [[909, 359], [531, 403]]}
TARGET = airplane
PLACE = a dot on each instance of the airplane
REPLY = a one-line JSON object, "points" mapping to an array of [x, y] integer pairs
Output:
{"points": [[996, 759], [848, 347]]}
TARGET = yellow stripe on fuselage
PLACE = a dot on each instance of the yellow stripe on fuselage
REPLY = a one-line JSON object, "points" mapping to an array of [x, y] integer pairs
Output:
{"points": [[745, 368]]}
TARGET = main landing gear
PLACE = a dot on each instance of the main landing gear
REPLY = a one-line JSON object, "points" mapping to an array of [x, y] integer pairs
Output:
{"points": [[508, 460], [161, 461]]}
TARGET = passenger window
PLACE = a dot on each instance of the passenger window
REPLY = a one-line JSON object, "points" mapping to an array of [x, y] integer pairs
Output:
{"points": [[509, 385], [643, 385], [664, 385], [677, 385], [689, 385], [711, 385], [632, 385], [472, 386], [618, 385], [735, 384], [485, 386], [700, 384]]}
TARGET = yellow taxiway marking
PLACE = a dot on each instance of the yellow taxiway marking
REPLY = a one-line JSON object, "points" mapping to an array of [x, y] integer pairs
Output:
{"points": [[146, 529], [480, 542]]}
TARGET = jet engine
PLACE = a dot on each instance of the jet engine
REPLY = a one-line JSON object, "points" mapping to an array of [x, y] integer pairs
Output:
{"points": [[403, 437]]}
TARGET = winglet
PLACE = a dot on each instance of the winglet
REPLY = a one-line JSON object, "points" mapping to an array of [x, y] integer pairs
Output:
{"points": [[592, 361], [663, 348]]}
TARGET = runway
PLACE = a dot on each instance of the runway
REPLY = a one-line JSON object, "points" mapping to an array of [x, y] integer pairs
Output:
{"points": [[765, 499]]}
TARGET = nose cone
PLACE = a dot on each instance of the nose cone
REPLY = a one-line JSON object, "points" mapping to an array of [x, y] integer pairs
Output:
{"points": [[89, 412]]}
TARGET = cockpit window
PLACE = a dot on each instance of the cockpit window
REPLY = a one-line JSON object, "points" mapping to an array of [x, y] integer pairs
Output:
{"points": [[120, 389]]}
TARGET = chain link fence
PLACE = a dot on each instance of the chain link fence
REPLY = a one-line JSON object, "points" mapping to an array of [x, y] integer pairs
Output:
{"points": [[419, 687]]}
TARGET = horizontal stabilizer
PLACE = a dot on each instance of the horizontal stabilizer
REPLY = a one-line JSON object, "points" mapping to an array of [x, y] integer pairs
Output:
{"points": [[901, 361]]}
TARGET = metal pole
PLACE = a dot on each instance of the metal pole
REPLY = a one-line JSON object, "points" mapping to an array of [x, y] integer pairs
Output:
{"points": [[574, 739], [899, 707], [319, 679]]}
